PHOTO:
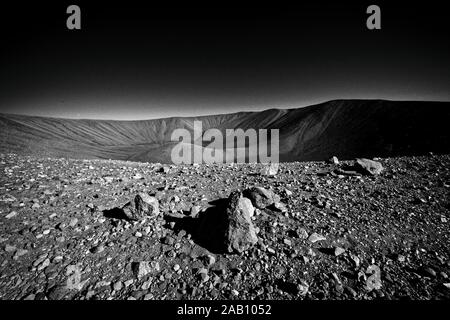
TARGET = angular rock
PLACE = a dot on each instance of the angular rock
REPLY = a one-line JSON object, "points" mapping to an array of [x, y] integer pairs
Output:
{"points": [[374, 280], [367, 166], [260, 197], [11, 215], [140, 206], [74, 278], [194, 211], [302, 233], [333, 160], [142, 268], [240, 233], [316, 237], [279, 206], [338, 251]]}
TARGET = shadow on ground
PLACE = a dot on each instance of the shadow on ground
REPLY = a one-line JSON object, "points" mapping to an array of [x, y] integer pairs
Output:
{"points": [[207, 229], [115, 213]]}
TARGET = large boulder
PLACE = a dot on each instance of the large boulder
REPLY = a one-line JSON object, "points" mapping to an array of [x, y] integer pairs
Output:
{"points": [[261, 198], [240, 233], [142, 205], [367, 166]]}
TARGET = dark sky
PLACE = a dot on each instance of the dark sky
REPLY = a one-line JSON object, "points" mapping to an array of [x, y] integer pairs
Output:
{"points": [[134, 60]]}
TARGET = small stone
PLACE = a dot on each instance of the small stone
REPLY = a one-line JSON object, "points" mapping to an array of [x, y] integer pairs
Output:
{"points": [[142, 268], [210, 259], [260, 197], [10, 215], [108, 179], [128, 283], [148, 296], [98, 249], [429, 272], [57, 259], [164, 169], [287, 242], [118, 286], [333, 160], [20, 253], [169, 240], [373, 282], [140, 206], [176, 267], [302, 234], [355, 259], [74, 278], [303, 287], [44, 264], [194, 211], [138, 234], [338, 251], [279, 206], [9, 248], [316, 237], [73, 222], [369, 166], [235, 292]]}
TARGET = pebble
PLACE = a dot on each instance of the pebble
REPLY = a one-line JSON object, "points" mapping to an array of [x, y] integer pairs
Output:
{"points": [[9, 248], [73, 222], [118, 286], [20, 253], [98, 249], [373, 282], [338, 251], [128, 283], [302, 233], [430, 272], [316, 237], [148, 296], [10, 215], [44, 264]]}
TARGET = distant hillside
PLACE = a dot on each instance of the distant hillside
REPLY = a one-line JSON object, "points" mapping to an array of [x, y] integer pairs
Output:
{"points": [[345, 128]]}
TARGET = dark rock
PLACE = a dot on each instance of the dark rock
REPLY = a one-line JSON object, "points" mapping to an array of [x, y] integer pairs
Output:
{"points": [[140, 206], [260, 197]]}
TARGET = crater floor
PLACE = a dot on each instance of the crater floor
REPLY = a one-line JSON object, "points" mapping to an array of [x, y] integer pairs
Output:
{"points": [[342, 237]]}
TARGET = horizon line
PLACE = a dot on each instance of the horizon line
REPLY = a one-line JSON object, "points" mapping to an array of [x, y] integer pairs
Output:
{"points": [[218, 114]]}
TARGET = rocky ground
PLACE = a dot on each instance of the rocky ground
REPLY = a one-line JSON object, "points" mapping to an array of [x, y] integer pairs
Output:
{"points": [[73, 229]]}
